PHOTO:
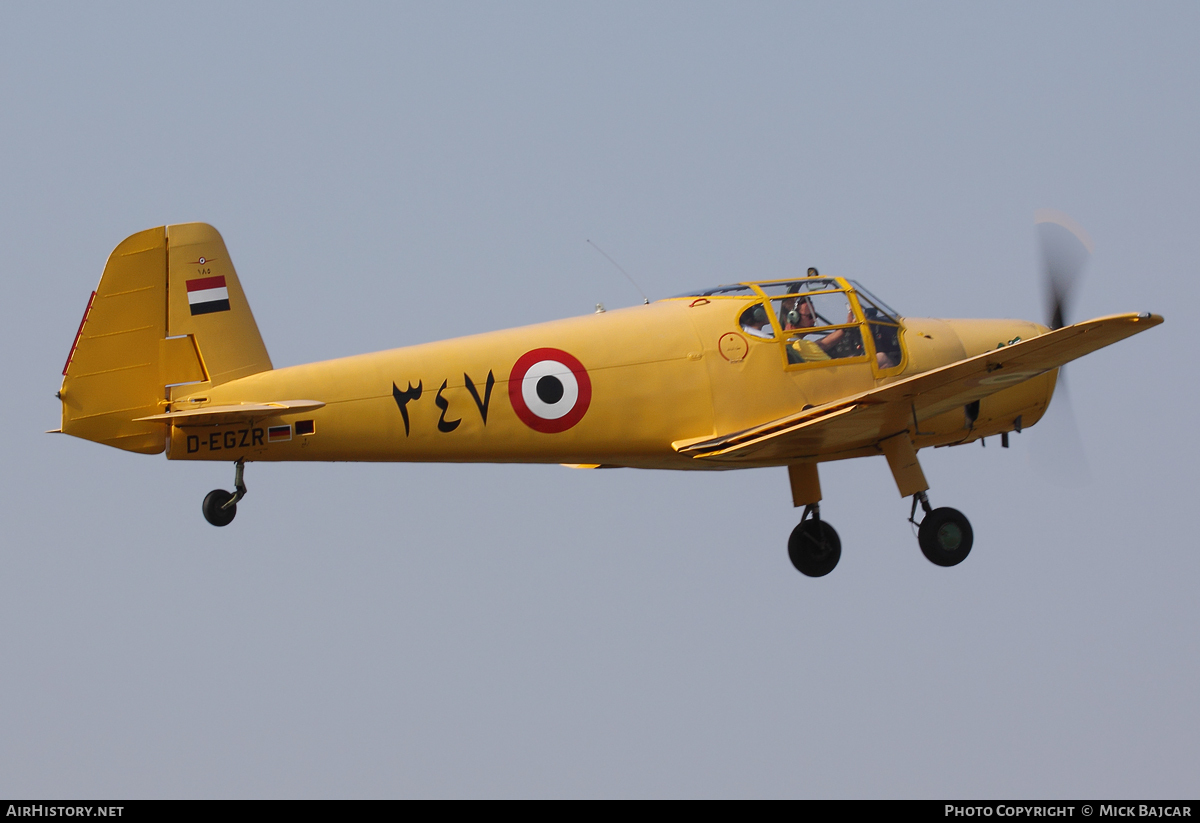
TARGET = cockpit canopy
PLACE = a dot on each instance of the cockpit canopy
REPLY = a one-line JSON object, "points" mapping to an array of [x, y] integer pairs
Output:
{"points": [[819, 319]]}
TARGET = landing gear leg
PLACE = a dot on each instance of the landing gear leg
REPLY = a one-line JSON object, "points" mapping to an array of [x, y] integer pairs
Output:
{"points": [[220, 507], [945, 534], [814, 547]]}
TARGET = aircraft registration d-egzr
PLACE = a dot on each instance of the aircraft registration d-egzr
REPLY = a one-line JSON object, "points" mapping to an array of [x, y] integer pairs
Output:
{"points": [[791, 372]]}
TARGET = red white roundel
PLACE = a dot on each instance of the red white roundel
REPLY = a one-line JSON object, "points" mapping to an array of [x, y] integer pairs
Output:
{"points": [[550, 390]]}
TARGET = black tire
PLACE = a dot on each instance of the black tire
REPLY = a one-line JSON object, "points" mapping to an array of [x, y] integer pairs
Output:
{"points": [[814, 548], [946, 537], [213, 512]]}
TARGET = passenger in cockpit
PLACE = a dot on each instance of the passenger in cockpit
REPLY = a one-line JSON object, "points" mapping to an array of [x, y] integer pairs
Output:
{"points": [[754, 322]]}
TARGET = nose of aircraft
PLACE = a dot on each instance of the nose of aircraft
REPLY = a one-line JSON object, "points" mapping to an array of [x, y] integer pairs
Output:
{"points": [[979, 336], [935, 342]]}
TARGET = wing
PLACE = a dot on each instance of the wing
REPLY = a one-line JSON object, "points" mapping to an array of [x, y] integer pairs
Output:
{"points": [[867, 418]]}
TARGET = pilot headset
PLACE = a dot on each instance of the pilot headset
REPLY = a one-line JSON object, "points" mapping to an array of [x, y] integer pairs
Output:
{"points": [[793, 315]]}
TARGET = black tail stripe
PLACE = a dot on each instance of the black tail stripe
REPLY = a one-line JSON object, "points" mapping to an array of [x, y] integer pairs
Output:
{"points": [[210, 307]]}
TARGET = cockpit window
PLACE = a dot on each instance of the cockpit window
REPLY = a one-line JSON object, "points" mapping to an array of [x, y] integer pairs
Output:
{"points": [[802, 311], [886, 339], [865, 297], [818, 326], [883, 327], [736, 290], [754, 321]]}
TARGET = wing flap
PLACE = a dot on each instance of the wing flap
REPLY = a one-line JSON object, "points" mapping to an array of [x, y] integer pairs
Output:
{"points": [[874, 415]]}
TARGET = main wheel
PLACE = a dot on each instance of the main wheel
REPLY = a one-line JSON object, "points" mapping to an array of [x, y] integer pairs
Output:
{"points": [[945, 537], [212, 508], [814, 548]]}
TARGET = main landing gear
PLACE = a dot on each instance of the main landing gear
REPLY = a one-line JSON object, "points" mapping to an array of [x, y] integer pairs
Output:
{"points": [[814, 546], [220, 506], [945, 534]]}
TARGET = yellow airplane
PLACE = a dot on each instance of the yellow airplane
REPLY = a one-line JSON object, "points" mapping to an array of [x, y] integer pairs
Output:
{"points": [[790, 373]]}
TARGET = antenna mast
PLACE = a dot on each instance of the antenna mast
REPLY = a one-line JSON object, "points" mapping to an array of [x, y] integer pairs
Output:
{"points": [[645, 299]]}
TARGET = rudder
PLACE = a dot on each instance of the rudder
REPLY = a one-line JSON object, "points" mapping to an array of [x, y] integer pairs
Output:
{"points": [[207, 302]]}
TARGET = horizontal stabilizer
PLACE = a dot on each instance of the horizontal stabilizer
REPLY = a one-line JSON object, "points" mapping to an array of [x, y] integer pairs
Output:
{"points": [[235, 413], [867, 418]]}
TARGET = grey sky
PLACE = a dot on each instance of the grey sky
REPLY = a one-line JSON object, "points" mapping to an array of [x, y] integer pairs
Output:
{"points": [[391, 174]]}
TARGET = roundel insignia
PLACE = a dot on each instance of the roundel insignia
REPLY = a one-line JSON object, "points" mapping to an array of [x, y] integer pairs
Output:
{"points": [[550, 390]]}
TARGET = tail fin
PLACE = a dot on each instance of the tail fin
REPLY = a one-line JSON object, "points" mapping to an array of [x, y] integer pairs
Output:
{"points": [[169, 312]]}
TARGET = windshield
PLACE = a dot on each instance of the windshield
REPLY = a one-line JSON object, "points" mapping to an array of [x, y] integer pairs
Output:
{"points": [[865, 297]]}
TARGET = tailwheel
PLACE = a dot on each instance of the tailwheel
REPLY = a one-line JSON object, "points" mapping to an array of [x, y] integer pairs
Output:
{"points": [[220, 506], [814, 546], [945, 536]]}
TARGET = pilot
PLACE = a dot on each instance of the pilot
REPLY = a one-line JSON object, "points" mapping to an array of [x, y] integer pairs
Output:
{"points": [[799, 314], [755, 323]]}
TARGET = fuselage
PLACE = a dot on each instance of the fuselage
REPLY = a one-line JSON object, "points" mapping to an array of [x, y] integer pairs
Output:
{"points": [[614, 388]]}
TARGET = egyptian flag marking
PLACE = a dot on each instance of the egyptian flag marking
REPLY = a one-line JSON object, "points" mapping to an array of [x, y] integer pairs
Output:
{"points": [[207, 295], [278, 434]]}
